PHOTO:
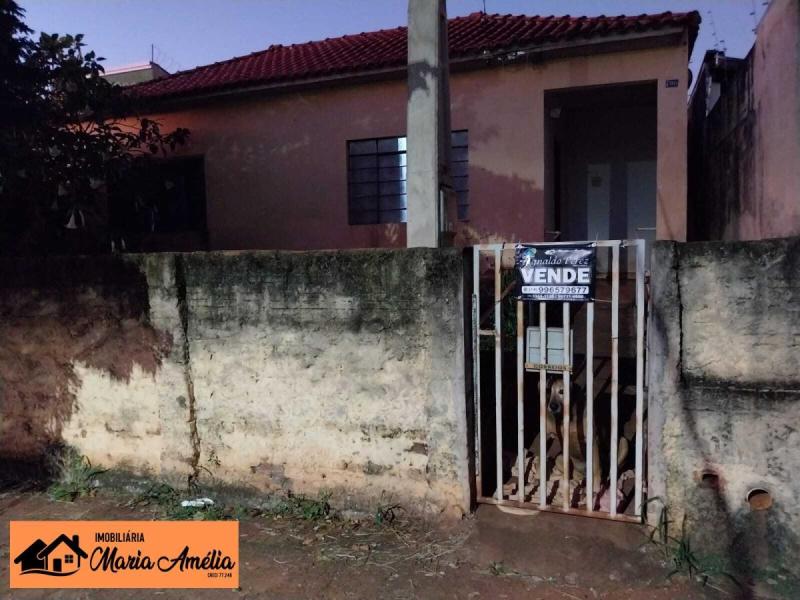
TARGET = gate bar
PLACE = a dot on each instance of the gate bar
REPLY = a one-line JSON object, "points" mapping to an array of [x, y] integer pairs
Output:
{"points": [[640, 382], [598, 243], [590, 406], [498, 374], [566, 408], [612, 491], [543, 405], [534, 508], [520, 408], [476, 362], [639, 469]]}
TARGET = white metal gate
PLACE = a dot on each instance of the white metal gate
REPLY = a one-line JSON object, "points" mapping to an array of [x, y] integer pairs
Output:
{"points": [[539, 491]]}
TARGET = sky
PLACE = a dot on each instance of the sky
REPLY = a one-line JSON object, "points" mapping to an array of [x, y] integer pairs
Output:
{"points": [[187, 33]]}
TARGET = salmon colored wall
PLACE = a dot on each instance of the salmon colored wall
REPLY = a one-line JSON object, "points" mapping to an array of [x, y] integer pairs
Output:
{"points": [[776, 96], [276, 166]]}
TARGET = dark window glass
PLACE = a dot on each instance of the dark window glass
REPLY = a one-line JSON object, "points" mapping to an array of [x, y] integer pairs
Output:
{"points": [[391, 188], [461, 184], [363, 147], [392, 174], [394, 202], [365, 203], [364, 162], [362, 175], [393, 216], [358, 190], [391, 145], [459, 154], [392, 160], [460, 138], [459, 169], [377, 179]]}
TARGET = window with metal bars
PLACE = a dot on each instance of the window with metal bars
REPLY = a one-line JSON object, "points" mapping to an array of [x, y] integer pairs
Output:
{"points": [[376, 179]]}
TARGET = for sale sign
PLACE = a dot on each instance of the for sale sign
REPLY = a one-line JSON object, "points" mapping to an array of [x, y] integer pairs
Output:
{"points": [[555, 272]]}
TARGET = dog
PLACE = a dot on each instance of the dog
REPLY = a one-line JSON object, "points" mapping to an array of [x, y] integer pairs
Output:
{"points": [[578, 428], [554, 419], [554, 415]]}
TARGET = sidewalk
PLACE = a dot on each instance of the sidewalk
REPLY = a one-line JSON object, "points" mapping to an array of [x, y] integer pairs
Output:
{"points": [[490, 555]]}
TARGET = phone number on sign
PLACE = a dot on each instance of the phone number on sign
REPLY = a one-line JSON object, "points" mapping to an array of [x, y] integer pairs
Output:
{"points": [[556, 290]]}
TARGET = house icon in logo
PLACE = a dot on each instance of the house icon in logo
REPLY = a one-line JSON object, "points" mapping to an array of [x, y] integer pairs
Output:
{"points": [[60, 557]]}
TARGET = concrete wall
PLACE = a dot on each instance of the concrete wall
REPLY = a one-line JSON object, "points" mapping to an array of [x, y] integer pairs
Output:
{"points": [[724, 393], [271, 371], [276, 165]]}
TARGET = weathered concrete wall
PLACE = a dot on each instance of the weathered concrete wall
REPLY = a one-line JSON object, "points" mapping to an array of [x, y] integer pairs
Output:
{"points": [[724, 393], [341, 371]]}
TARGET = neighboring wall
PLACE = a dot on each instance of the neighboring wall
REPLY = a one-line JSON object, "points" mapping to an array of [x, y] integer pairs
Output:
{"points": [[776, 82], [298, 372], [744, 180], [724, 396], [276, 163]]}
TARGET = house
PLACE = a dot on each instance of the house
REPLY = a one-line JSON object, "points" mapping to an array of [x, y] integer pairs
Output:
{"points": [[564, 128], [62, 556], [29, 559], [136, 73], [744, 136]]}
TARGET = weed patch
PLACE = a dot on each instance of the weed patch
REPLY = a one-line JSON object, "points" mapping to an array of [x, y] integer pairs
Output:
{"points": [[168, 501], [172, 504], [310, 509], [680, 554], [386, 514], [77, 476]]}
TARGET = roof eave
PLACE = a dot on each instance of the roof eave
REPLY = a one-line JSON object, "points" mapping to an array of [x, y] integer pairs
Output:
{"points": [[533, 54]]}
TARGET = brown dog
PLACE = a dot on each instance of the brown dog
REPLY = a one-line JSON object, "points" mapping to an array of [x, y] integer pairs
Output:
{"points": [[577, 432]]}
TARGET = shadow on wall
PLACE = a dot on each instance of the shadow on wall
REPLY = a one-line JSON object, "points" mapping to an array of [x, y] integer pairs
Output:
{"points": [[502, 209], [748, 537], [727, 401], [54, 313]]}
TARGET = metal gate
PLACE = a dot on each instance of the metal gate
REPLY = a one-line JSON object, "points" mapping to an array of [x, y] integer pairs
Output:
{"points": [[590, 390]]}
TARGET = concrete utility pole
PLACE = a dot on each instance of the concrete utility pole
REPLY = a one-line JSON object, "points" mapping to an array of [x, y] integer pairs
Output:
{"points": [[428, 152]]}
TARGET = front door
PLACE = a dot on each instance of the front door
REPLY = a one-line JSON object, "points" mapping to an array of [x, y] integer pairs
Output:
{"points": [[57, 565], [598, 208], [641, 209]]}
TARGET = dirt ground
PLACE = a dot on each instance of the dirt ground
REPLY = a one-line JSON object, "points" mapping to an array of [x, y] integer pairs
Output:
{"points": [[488, 555]]}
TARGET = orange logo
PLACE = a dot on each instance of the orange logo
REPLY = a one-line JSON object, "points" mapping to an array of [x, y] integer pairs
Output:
{"points": [[124, 554]]}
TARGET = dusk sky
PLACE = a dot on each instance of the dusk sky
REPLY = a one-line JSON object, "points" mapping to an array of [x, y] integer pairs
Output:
{"points": [[187, 33]]}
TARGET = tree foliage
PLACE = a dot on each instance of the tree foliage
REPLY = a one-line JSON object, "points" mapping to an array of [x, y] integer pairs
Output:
{"points": [[66, 137]]}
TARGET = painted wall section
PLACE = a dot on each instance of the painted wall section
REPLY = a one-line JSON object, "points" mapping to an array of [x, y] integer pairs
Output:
{"points": [[339, 371], [276, 165], [724, 398], [776, 82]]}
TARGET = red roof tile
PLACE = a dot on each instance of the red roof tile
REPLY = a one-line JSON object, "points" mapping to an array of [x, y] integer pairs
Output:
{"points": [[468, 36]]}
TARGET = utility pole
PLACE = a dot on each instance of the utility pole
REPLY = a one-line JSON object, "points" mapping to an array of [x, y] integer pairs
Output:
{"points": [[430, 194]]}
